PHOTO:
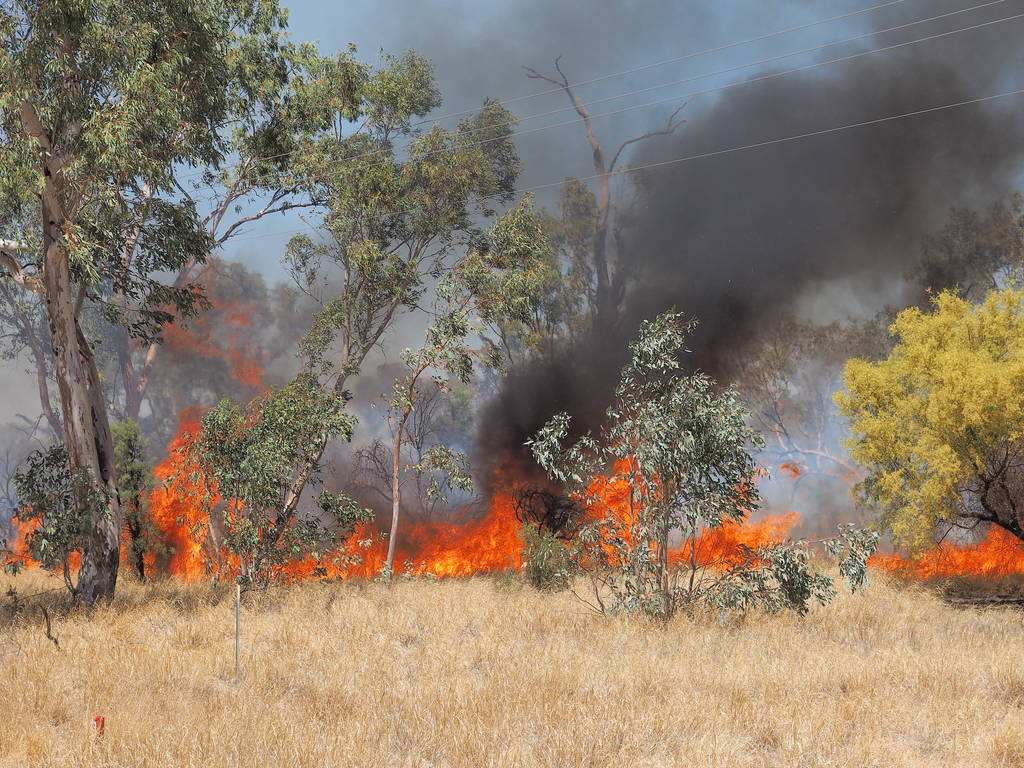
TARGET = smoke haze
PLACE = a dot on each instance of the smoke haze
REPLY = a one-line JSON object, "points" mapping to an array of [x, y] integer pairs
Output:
{"points": [[826, 226]]}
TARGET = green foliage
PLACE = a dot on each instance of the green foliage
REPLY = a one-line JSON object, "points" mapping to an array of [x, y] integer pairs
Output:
{"points": [[447, 470], [251, 453], [396, 226], [783, 577], [342, 510], [774, 579], [680, 449], [123, 93], [548, 562], [133, 486], [59, 504], [938, 424], [133, 471], [851, 550]]}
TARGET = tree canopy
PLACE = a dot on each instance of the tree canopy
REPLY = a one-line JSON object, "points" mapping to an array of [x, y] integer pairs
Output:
{"points": [[101, 103], [939, 423]]}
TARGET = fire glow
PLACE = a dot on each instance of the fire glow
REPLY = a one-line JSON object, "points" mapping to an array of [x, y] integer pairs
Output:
{"points": [[230, 341], [1000, 553], [491, 543]]}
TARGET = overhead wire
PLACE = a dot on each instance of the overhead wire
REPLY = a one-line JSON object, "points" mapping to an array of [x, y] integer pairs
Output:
{"points": [[732, 150], [677, 59], [716, 73]]}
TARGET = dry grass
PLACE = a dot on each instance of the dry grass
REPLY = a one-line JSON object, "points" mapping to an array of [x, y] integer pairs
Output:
{"points": [[490, 673]]}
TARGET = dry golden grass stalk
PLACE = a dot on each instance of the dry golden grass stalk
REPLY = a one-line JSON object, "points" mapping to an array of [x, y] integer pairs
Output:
{"points": [[486, 672]]}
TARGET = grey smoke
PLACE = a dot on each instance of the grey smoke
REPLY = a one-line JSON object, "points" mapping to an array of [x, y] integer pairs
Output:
{"points": [[739, 240]]}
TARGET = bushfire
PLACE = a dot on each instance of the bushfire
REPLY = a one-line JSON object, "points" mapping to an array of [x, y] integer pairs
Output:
{"points": [[180, 500], [1000, 553]]}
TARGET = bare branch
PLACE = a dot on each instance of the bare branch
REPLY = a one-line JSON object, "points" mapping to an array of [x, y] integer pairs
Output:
{"points": [[670, 127], [266, 211], [14, 269], [49, 627]]}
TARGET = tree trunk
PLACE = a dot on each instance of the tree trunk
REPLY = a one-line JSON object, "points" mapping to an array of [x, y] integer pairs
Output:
{"points": [[130, 381], [663, 583], [86, 428], [42, 382], [396, 492]]}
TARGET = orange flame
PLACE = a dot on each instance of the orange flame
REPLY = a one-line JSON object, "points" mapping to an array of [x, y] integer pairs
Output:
{"points": [[443, 549], [177, 503], [1000, 553], [17, 548], [791, 469], [727, 544], [491, 543], [202, 337]]}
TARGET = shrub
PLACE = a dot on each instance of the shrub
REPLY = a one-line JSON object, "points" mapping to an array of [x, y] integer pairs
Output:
{"points": [[59, 505], [547, 559], [679, 449]]}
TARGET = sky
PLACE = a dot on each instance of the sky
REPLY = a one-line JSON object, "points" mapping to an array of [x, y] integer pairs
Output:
{"points": [[478, 50]]}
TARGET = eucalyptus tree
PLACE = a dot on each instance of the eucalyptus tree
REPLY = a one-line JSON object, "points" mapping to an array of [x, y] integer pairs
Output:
{"points": [[787, 379], [24, 335], [251, 452], [397, 223], [495, 281], [247, 453], [975, 251], [680, 448], [294, 118], [441, 415], [102, 103], [683, 451]]}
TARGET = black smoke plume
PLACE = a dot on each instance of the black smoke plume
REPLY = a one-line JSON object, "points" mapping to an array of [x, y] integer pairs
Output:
{"points": [[827, 225]]}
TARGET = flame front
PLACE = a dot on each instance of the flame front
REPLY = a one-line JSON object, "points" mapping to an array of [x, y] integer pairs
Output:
{"points": [[181, 498], [1000, 553]]}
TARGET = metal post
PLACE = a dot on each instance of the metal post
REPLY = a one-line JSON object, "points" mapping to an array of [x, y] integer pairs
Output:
{"points": [[238, 629]]}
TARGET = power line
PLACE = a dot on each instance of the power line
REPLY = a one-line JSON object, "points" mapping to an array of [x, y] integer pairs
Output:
{"points": [[676, 59], [800, 136], [738, 84], [768, 60], [732, 150], [677, 82], [753, 80]]}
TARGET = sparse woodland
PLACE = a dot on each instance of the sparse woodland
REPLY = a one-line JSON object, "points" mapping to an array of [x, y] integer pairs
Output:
{"points": [[483, 499]]}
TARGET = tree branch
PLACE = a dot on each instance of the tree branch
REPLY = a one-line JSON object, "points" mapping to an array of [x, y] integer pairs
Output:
{"points": [[10, 265], [266, 211], [670, 127]]}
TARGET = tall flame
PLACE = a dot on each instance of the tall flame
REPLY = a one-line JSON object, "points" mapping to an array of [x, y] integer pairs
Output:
{"points": [[18, 547], [177, 505]]}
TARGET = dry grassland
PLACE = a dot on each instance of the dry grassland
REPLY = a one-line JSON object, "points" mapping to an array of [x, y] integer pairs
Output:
{"points": [[487, 672]]}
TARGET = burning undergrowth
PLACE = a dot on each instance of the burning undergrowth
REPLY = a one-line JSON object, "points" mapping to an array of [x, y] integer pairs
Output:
{"points": [[471, 542], [486, 538]]}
